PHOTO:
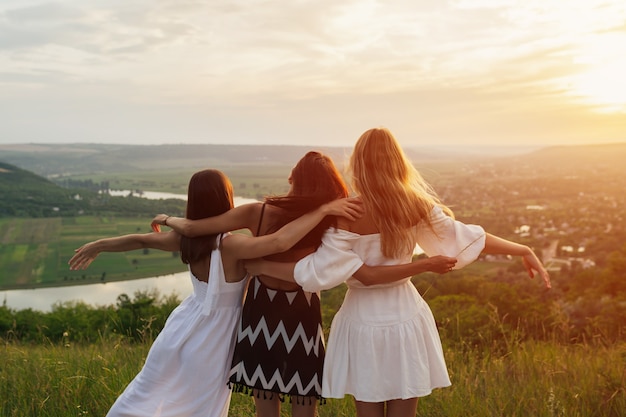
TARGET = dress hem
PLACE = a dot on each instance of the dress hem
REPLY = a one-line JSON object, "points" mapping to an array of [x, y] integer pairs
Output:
{"points": [[268, 394]]}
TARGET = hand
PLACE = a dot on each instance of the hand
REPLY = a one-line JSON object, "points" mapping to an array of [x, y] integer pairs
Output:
{"points": [[158, 220], [254, 266], [532, 264], [84, 256], [350, 208], [440, 264]]}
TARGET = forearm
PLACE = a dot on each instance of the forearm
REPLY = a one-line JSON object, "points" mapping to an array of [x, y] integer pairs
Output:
{"points": [[292, 232], [182, 226], [498, 246], [278, 270], [240, 217], [120, 243], [371, 275], [381, 274]]}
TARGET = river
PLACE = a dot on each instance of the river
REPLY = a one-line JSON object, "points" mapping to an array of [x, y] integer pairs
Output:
{"points": [[42, 299]]}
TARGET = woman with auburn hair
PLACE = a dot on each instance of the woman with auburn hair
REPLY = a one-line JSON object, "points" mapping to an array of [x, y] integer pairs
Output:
{"points": [[383, 347], [186, 371]]}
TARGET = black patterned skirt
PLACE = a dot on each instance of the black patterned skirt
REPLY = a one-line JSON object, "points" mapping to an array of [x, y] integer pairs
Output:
{"points": [[280, 343]]}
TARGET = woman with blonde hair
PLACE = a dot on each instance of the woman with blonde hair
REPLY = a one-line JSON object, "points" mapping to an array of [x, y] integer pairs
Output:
{"points": [[383, 347]]}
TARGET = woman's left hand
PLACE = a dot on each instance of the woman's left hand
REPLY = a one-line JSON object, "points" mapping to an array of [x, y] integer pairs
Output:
{"points": [[532, 264]]}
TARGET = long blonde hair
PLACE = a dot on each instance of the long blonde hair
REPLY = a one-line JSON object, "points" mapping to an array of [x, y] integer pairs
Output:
{"points": [[392, 190]]}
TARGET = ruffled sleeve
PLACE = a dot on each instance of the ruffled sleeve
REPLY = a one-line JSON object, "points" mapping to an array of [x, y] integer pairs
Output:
{"points": [[332, 264], [449, 237]]}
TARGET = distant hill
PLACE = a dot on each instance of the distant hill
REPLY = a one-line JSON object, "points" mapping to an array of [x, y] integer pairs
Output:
{"points": [[51, 160], [81, 158], [575, 159], [77, 159], [603, 153], [25, 194]]}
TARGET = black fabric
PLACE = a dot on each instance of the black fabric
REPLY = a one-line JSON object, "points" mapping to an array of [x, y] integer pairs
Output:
{"points": [[280, 342]]}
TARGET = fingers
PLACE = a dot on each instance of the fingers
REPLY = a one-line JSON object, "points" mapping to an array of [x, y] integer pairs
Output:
{"points": [[534, 264], [546, 278], [76, 264], [155, 227], [350, 211], [443, 264]]}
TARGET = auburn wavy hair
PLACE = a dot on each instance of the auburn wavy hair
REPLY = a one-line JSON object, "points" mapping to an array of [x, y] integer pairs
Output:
{"points": [[315, 180]]}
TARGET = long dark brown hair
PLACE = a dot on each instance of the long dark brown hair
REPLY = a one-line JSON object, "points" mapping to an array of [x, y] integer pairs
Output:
{"points": [[315, 181], [209, 194]]}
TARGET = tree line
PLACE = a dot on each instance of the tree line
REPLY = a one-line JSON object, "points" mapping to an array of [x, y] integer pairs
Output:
{"points": [[472, 310]]}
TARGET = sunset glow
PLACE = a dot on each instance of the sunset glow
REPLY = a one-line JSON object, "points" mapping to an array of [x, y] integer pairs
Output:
{"points": [[603, 83], [464, 72]]}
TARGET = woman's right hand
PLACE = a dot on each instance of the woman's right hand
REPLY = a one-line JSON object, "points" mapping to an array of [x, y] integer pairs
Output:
{"points": [[84, 256]]}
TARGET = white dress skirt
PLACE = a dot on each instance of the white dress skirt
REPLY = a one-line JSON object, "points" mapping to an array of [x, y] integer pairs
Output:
{"points": [[186, 371], [383, 341]]}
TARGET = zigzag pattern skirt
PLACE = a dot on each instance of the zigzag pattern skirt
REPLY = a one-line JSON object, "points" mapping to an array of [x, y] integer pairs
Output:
{"points": [[280, 343]]}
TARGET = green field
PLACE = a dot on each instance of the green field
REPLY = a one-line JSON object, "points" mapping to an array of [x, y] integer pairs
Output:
{"points": [[248, 181], [34, 252]]}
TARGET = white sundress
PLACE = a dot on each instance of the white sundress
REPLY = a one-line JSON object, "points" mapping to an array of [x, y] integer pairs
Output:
{"points": [[186, 371], [383, 341]]}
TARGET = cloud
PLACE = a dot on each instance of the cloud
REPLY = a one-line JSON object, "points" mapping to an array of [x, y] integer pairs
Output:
{"points": [[270, 70]]}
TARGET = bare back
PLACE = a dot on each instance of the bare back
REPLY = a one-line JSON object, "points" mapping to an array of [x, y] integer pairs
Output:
{"points": [[293, 255]]}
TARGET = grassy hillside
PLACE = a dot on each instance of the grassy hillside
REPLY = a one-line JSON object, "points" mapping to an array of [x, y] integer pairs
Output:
{"points": [[25, 194]]}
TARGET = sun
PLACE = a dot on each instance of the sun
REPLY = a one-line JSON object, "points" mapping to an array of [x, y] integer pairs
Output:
{"points": [[604, 88], [602, 85]]}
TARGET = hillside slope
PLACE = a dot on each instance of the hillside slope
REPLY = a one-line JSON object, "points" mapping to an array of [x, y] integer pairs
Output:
{"points": [[25, 194]]}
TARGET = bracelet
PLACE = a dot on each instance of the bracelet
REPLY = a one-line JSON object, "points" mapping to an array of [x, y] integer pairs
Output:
{"points": [[165, 221]]}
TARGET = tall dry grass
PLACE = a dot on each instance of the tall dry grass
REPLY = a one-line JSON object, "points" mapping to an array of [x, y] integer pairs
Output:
{"points": [[531, 379]]}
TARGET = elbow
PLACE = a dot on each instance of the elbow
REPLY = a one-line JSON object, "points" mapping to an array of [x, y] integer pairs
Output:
{"points": [[280, 245], [189, 231], [365, 279]]}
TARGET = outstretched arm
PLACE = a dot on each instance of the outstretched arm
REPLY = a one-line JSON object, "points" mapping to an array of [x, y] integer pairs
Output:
{"points": [[89, 251], [237, 218], [291, 233], [499, 246], [367, 275]]}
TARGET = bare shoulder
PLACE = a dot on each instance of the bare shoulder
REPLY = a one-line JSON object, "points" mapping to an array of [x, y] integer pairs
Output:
{"points": [[363, 226], [248, 213]]}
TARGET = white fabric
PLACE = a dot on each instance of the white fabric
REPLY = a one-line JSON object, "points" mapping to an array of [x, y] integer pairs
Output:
{"points": [[383, 341], [185, 372]]}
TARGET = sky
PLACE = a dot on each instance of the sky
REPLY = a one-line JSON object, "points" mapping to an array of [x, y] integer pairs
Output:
{"points": [[319, 72]]}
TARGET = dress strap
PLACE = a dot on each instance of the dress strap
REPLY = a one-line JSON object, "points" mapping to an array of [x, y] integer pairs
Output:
{"points": [[258, 228], [217, 278]]}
